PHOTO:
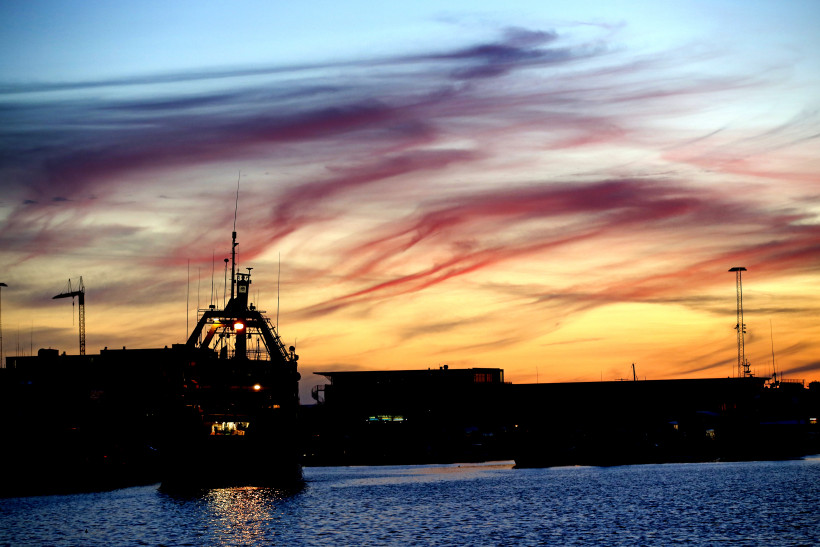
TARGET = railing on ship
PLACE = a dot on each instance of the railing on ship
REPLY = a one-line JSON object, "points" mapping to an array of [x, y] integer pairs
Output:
{"points": [[261, 351], [258, 353], [276, 338]]}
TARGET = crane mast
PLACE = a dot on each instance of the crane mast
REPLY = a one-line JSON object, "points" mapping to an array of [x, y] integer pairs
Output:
{"points": [[79, 292]]}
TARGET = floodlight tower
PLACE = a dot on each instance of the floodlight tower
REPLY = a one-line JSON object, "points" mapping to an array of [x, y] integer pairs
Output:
{"points": [[2, 363], [742, 365]]}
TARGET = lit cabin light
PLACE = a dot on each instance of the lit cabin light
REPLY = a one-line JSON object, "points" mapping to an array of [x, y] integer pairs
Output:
{"points": [[257, 387], [239, 325]]}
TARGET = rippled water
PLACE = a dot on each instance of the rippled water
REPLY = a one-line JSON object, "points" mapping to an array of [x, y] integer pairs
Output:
{"points": [[743, 503]]}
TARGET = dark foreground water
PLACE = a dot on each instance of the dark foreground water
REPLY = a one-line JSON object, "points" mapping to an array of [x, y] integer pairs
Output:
{"points": [[746, 503]]}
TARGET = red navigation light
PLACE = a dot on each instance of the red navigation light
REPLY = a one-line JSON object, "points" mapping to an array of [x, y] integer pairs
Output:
{"points": [[239, 325]]}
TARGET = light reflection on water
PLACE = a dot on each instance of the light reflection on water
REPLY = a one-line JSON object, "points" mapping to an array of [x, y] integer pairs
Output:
{"points": [[228, 516], [743, 503], [238, 514]]}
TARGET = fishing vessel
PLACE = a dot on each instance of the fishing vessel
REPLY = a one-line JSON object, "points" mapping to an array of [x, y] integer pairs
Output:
{"points": [[237, 401]]}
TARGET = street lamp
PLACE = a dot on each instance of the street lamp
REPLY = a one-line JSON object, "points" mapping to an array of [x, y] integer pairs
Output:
{"points": [[2, 362]]}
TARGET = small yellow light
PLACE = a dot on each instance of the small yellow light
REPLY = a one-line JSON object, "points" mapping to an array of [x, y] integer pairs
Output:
{"points": [[257, 387], [239, 325]]}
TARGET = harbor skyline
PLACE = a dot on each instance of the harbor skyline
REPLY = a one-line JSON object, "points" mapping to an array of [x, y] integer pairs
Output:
{"points": [[558, 191]]}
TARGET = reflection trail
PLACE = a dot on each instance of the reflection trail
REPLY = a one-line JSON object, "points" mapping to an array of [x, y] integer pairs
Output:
{"points": [[241, 515]]}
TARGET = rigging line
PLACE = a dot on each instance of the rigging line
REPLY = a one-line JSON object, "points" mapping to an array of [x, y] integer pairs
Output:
{"points": [[236, 205], [278, 277], [213, 267], [225, 284]]}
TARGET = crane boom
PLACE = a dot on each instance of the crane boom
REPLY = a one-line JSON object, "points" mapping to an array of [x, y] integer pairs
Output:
{"points": [[79, 292]]}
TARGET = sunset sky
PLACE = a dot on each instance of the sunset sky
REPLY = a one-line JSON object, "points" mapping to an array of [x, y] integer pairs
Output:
{"points": [[554, 188]]}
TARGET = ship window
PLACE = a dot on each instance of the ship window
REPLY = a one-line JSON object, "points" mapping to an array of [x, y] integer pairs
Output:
{"points": [[229, 428]]}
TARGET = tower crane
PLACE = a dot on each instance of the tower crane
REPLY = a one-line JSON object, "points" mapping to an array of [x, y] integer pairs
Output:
{"points": [[79, 292]]}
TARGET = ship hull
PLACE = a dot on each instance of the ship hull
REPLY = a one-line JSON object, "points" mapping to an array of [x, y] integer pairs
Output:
{"points": [[228, 462]]}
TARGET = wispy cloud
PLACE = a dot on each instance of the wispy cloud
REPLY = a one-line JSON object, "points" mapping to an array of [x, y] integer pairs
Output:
{"points": [[498, 223], [811, 368]]}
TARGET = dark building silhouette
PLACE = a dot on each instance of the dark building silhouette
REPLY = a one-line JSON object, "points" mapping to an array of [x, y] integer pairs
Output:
{"points": [[407, 416], [449, 415], [101, 421], [611, 423]]}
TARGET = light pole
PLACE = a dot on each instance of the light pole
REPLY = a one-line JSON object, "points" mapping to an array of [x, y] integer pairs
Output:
{"points": [[742, 365], [2, 361]]}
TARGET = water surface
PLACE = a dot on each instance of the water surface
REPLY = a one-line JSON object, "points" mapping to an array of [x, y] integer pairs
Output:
{"points": [[738, 503]]}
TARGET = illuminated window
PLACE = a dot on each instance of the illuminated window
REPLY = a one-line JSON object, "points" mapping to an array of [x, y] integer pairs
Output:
{"points": [[384, 418]]}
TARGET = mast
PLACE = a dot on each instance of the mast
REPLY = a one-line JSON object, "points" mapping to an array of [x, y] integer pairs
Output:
{"points": [[742, 365], [233, 262], [233, 237], [240, 320]]}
